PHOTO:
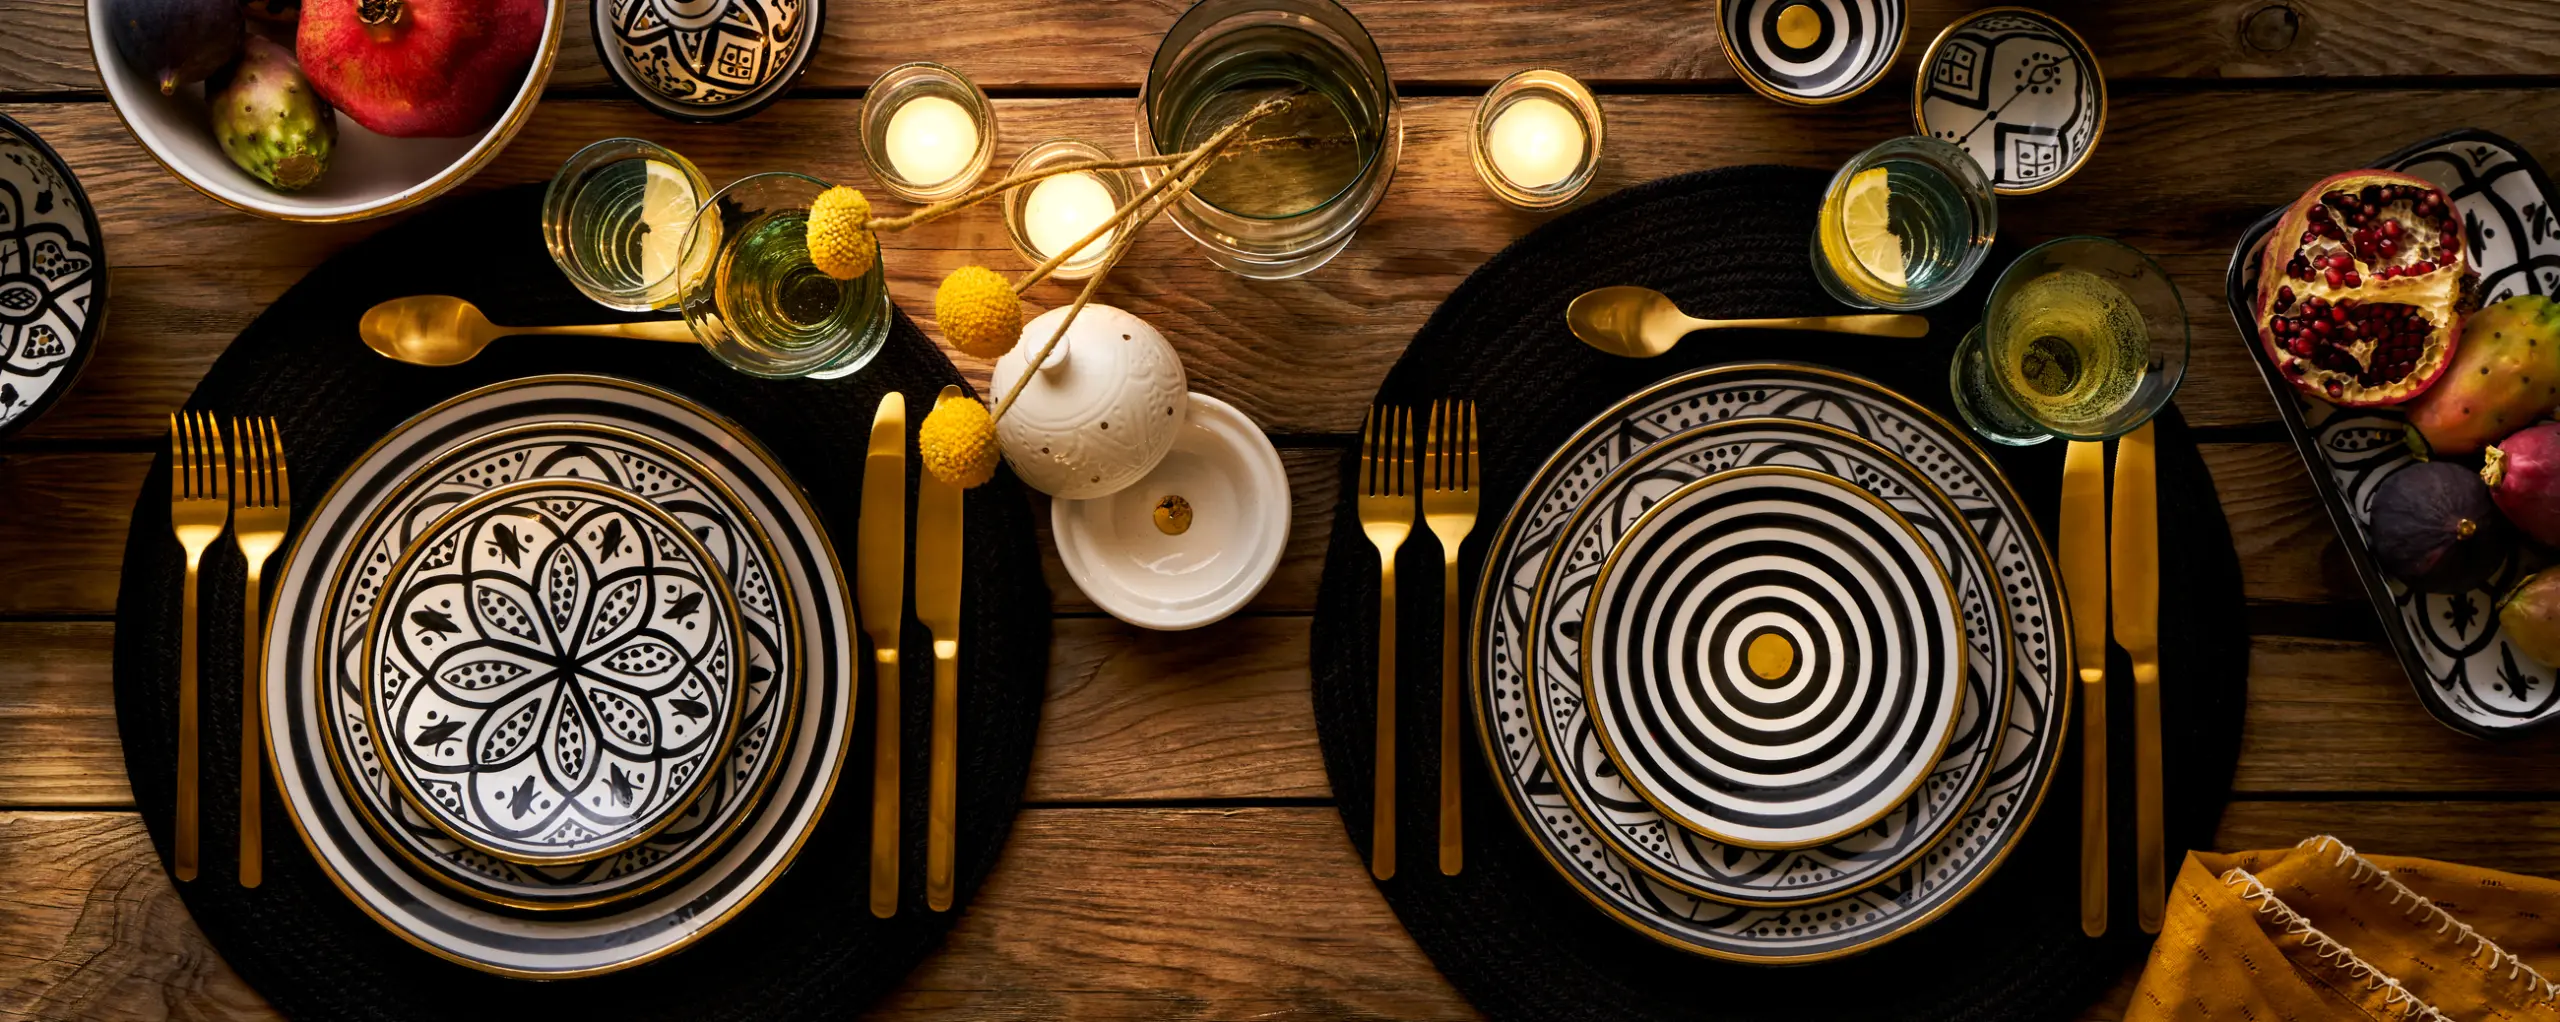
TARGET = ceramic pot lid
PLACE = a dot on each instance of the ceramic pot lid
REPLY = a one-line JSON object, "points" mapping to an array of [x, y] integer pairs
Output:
{"points": [[707, 60], [1192, 541], [2018, 90], [1101, 411]]}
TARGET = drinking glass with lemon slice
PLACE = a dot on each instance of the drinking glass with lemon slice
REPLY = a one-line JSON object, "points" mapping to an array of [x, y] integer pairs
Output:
{"points": [[1904, 225], [615, 218]]}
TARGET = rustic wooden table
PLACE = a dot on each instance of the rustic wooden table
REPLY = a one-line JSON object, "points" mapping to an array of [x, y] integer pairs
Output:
{"points": [[1179, 854]]}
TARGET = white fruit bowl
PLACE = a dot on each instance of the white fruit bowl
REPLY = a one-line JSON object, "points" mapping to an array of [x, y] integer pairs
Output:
{"points": [[369, 174]]}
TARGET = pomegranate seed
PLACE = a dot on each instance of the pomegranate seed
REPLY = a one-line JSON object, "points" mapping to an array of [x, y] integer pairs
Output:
{"points": [[2319, 214], [2423, 266], [2310, 236], [2300, 346], [2435, 197], [2340, 261], [2335, 388], [2387, 247], [2391, 228], [2335, 278], [2284, 297]]}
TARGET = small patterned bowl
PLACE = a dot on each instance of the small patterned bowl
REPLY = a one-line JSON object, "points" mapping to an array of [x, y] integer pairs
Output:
{"points": [[707, 60], [53, 277], [2017, 89], [1811, 52]]}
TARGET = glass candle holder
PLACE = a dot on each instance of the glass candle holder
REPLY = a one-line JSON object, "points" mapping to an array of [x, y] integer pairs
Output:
{"points": [[1904, 225], [1536, 139], [2083, 338], [928, 132], [1306, 178], [615, 217], [763, 307], [1053, 212]]}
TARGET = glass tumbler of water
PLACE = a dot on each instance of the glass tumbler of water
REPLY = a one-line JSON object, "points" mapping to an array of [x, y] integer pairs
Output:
{"points": [[615, 217], [1904, 225], [2083, 338]]}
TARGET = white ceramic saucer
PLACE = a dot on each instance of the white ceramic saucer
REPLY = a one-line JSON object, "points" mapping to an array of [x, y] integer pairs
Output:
{"points": [[1238, 494]]}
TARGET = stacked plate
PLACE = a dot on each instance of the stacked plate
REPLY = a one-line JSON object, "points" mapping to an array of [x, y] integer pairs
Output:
{"points": [[1770, 661], [544, 687]]}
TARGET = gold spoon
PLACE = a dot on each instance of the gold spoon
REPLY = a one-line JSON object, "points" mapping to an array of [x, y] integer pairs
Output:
{"points": [[1640, 322], [442, 330]]}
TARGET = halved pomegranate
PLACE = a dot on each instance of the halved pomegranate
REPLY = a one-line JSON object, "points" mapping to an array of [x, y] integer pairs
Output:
{"points": [[2361, 292]]}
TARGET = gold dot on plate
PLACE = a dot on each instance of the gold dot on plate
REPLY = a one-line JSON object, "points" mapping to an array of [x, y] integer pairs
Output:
{"points": [[1771, 656], [1173, 515], [1799, 26]]}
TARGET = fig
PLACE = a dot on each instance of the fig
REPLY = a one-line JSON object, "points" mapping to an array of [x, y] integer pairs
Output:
{"points": [[276, 12], [2523, 473], [2506, 375], [419, 68], [2529, 617], [268, 119], [2362, 287], [2434, 528], [176, 42]]}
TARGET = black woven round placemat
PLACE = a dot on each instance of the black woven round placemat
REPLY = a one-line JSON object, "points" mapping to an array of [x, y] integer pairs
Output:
{"points": [[1513, 934], [808, 947]]}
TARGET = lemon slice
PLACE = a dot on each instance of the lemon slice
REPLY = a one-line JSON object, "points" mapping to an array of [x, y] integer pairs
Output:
{"points": [[667, 205], [1864, 220]]}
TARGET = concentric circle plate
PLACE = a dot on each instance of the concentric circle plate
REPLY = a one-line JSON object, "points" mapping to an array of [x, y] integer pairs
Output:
{"points": [[2025, 750], [719, 854], [1599, 792], [1774, 657], [556, 661]]}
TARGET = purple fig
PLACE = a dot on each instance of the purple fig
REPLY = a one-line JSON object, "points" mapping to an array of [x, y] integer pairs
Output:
{"points": [[2433, 527], [2523, 473], [2529, 617], [175, 42]]}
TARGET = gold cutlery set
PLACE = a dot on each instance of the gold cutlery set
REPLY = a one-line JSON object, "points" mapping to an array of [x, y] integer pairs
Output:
{"points": [[1443, 482], [245, 488], [880, 593], [2116, 570]]}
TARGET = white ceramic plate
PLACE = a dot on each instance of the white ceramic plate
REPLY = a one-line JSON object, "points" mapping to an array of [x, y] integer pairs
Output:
{"points": [[322, 604], [1227, 471]]}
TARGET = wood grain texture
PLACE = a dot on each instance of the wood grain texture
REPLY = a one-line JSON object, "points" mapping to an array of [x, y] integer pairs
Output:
{"points": [[2178, 175], [1092, 914], [1097, 46]]}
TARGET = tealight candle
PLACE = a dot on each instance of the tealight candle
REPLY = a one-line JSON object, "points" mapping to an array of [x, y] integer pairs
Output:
{"points": [[1050, 215], [1537, 139], [931, 140]]}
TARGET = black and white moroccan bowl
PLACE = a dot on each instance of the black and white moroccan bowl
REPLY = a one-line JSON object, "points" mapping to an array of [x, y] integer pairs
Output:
{"points": [[53, 277], [708, 60], [1811, 52]]}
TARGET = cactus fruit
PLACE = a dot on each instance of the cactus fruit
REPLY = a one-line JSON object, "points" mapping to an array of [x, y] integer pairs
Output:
{"points": [[2505, 375], [268, 119]]}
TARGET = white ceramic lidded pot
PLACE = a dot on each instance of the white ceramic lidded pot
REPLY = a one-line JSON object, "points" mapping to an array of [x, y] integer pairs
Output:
{"points": [[1100, 412]]}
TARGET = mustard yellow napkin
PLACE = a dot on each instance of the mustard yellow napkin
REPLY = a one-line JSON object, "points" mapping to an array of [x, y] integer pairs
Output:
{"points": [[2317, 931]]}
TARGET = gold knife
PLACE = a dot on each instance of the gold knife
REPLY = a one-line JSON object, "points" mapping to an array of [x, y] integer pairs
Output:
{"points": [[938, 546], [881, 593], [2134, 547], [2084, 583]]}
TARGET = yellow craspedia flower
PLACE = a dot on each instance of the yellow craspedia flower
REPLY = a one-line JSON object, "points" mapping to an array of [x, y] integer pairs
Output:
{"points": [[838, 242], [958, 440], [978, 311]]}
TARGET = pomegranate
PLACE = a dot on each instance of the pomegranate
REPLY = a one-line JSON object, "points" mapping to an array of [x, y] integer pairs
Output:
{"points": [[2360, 292], [419, 68]]}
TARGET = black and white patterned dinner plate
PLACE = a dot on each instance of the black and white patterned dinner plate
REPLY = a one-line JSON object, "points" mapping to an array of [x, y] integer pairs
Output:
{"points": [[2027, 746], [1811, 51], [1774, 656], [556, 665], [714, 859], [53, 276], [2018, 90], [1599, 792], [2468, 676]]}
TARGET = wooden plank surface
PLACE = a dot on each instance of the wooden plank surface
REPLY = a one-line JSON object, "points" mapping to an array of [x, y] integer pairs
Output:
{"points": [[1106, 46]]}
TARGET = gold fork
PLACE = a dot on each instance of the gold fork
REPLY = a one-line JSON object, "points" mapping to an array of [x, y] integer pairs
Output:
{"points": [[1386, 514], [263, 501], [1449, 508], [199, 505]]}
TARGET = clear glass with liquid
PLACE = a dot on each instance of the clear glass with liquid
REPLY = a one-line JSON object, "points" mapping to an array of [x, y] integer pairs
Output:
{"points": [[1904, 225], [2083, 338], [763, 307], [1293, 190], [614, 218]]}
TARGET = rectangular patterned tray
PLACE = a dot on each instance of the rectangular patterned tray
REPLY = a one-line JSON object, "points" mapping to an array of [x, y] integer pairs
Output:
{"points": [[2468, 676]]}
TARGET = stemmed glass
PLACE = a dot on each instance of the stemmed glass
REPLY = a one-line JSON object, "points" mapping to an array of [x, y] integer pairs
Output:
{"points": [[763, 307], [2083, 338]]}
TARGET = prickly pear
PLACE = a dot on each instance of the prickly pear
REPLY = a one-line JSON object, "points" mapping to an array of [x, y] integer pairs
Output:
{"points": [[2506, 374], [269, 120], [176, 42], [2523, 473], [2529, 616]]}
